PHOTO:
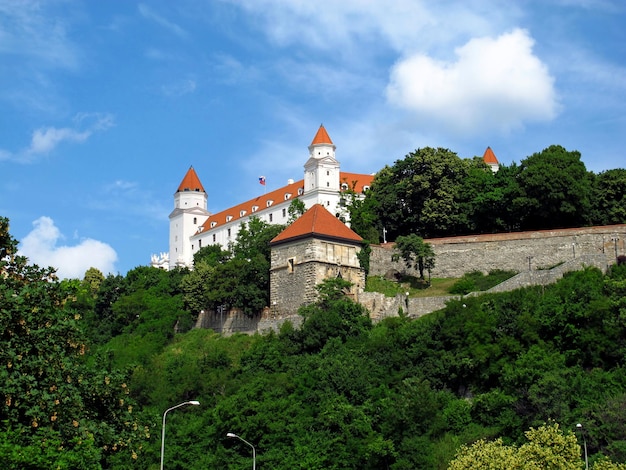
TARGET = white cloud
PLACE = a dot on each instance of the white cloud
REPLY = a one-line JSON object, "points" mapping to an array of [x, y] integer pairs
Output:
{"points": [[40, 247], [493, 84], [45, 139]]}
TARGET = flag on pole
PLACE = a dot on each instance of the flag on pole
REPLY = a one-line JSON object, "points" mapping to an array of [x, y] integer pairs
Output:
{"points": [[262, 180]]}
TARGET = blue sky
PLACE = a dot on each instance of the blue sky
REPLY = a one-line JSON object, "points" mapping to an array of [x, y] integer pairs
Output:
{"points": [[104, 105]]}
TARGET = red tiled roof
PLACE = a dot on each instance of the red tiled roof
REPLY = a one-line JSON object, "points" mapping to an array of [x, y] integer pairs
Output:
{"points": [[489, 157], [278, 196], [321, 137], [356, 181], [191, 182], [317, 221]]}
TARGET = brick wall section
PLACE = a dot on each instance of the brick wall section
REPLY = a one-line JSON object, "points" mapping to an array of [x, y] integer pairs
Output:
{"points": [[510, 251]]}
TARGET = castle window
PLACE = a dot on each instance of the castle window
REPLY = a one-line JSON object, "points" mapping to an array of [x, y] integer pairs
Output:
{"points": [[291, 264], [242, 213], [284, 213], [213, 224], [255, 208], [300, 191], [344, 186], [229, 218], [195, 220], [269, 203], [327, 173], [287, 196], [228, 233], [199, 243], [327, 184], [271, 217], [213, 238]]}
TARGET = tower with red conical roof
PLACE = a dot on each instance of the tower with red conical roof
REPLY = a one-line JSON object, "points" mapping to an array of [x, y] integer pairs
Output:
{"points": [[490, 159], [190, 212], [321, 173]]}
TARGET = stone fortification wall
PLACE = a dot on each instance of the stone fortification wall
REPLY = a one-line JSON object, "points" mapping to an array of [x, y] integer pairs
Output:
{"points": [[592, 246], [519, 251]]}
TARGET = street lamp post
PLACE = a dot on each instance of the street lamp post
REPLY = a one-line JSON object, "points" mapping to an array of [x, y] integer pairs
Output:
{"points": [[192, 402], [235, 436], [580, 426]]}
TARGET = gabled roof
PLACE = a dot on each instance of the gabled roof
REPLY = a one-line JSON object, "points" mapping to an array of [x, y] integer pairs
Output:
{"points": [[317, 221], [190, 182], [321, 137], [489, 157]]}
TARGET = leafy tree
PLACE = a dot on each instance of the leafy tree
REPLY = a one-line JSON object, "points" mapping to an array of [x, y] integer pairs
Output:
{"points": [[415, 252], [334, 315], [254, 239], [420, 194], [554, 190], [239, 281], [211, 255], [548, 447], [93, 280], [295, 210], [609, 197], [53, 406]]}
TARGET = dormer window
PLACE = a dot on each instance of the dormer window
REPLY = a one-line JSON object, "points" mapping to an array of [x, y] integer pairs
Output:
{"points": [[344, 186], [213, 224], [229, 218], [365, 188], [242, 213], [300, 191], [269, 203], [287, 196], [255, 208]]}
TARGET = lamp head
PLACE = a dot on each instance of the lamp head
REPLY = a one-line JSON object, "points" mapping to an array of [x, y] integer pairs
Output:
{"points": [[230, 434], [194, 402], [579, 426]]}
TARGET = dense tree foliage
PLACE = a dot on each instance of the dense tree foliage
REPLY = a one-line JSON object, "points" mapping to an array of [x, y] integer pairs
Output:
{"points": [[238, 278], [433, 192], [56, 410], [343, 393]]}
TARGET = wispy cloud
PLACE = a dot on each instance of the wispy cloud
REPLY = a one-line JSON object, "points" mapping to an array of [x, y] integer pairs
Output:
{"points": [[31, 31], [46, 139], [149, 14], [41, 246]]}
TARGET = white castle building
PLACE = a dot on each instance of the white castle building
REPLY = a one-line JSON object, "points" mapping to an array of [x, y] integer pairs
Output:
{"points": [[192, 226]]}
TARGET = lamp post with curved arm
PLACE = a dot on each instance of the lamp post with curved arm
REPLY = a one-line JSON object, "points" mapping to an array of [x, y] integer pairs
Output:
{"points": [[192, 402], [235, 436]]}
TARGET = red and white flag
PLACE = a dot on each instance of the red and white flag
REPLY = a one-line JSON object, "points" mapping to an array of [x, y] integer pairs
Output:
{"points": [[262, 180]]}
